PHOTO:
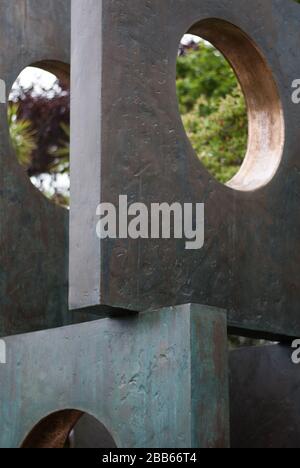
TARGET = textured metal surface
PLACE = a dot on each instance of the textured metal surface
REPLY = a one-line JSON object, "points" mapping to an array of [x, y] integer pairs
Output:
{"points": [[158, 379], [33, 231], [264, 398], [132, 142]]}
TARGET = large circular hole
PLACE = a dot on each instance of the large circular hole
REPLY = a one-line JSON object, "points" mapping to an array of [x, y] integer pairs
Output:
{"points": [[69, 429], [230, 105], [39, 125]]}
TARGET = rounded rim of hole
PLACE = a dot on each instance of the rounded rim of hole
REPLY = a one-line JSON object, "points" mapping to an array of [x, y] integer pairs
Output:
{"points": [[53, 430], [266, 125]]}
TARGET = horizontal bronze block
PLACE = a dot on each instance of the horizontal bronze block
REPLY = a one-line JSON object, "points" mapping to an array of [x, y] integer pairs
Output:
{"points": [[159, 379]]}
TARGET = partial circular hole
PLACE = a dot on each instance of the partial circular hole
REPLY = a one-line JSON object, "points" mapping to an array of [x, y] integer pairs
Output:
{"points": [[39, 125], [230, 105], [69, 429]]}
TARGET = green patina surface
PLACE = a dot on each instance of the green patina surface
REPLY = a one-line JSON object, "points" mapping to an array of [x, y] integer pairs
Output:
{"points": [[156, 380]]}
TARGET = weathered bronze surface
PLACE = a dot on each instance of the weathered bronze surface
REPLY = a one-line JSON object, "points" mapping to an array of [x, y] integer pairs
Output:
{"points": [[264, 398], [33, 232], [159, 379], [131, 141]]}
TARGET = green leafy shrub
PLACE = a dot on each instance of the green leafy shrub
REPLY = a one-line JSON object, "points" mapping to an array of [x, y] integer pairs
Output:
{"points": [[213, 109], [22, 136]]}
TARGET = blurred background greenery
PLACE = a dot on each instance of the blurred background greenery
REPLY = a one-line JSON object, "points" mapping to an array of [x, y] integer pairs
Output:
{"points": [[39, 125], [213, 108]]}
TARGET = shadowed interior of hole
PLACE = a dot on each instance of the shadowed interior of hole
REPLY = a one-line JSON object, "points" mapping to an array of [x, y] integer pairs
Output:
{"points": [[265, 114], [39, 127], [69, 429]]}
